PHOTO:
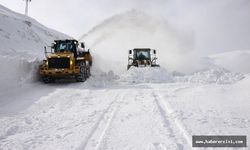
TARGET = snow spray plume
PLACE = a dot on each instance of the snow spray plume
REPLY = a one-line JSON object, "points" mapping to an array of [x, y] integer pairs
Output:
{"points": [[112, 39]]}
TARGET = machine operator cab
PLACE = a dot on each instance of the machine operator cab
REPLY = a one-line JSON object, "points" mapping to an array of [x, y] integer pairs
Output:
{"points": [[64, 46], [142, 57], [142, 54]]}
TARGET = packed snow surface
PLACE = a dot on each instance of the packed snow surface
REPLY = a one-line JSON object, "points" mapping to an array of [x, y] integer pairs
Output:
{"points": [[126, 116], [142, 108]]}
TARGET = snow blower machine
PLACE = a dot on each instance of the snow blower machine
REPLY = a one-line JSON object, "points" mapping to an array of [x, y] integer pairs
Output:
{"points": [[67, 58], [142, 57]]}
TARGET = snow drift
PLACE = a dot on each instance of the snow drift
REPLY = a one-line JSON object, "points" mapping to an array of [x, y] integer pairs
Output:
{"points": [[161, 75], [213, 75], [146, 75], [100, 79], [21, 47]]}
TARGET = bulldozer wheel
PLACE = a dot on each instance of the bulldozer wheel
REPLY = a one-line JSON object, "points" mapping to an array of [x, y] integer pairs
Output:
{"points": [[155, 65], [82, 77], [47, 79]]}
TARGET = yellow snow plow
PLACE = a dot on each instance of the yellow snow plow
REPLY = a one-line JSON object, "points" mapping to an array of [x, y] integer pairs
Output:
{"points": [[67, 58]]}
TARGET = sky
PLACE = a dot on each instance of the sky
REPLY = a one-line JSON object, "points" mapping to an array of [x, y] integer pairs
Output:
{"points": [[217, 25]]}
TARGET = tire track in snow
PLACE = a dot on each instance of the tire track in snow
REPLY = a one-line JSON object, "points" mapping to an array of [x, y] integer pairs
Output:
{"points": [[166, 110], [138, 125], [97, 133]]}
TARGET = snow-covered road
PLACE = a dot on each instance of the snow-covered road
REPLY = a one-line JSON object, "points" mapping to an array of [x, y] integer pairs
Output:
{"points": [[75, 118], [126, 116]]}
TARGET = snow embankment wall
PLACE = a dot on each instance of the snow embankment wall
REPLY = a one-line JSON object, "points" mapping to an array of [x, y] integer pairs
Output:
{"points": [[20, 72], [22, 41]]}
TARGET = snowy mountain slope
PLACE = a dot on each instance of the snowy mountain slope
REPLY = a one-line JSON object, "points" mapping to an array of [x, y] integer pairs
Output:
{"points": [[112, 39], [22, 41], [21, 34]]}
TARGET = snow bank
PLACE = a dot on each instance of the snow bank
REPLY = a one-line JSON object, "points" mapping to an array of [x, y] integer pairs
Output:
{"points": [[146, 75], [100, 79], [161, 75], [17, 71], [244, 84], [214, 75], [22, 41], [20, 34]]}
